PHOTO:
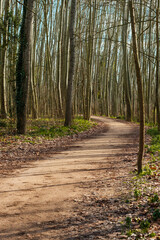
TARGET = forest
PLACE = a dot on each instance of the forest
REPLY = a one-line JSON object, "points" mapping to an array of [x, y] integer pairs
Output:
{"points": [[79, 119], [67, 58], [98, 51]]}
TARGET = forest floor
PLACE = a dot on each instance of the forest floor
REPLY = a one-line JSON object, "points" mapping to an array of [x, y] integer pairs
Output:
{"points": [[79, 192]]}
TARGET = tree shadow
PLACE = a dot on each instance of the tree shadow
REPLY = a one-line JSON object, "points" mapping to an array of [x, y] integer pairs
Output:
{"points": [[93, 218]]}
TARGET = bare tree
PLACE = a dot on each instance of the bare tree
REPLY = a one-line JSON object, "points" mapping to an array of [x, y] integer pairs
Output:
{"points": [[125, 63], [140, 87], [68, 113], [157, 65], [24, 65], [3, 59]]}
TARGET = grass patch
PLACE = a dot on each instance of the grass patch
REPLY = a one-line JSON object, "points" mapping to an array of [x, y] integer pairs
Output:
{"points": [[156, 214], [3, 123], [155, 143], [154, 198], [145, 225], [145, 195], [56, 129], [40, 129]]}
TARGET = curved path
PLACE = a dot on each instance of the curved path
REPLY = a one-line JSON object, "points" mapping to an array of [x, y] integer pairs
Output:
{"points": [[45, 200]]}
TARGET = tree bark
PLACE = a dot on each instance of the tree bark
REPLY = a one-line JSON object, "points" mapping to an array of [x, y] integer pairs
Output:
{"points": [[3, 60], [157, 67], [149, 66], [23, 66], [125, 65], [140, 89], [68, 112]]}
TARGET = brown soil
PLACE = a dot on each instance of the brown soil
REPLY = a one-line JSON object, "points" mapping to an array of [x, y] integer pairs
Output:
{"points": [[14, 154], [74, 194]]}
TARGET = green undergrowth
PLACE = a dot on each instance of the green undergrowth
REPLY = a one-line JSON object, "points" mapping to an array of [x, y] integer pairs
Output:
{"points": [[150, 124], [57, 129], [155, 143], [117, 117], [41, 129], [144, 199]]}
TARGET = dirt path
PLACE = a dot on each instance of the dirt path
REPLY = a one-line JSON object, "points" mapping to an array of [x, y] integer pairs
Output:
{"points": [[74, 194]]}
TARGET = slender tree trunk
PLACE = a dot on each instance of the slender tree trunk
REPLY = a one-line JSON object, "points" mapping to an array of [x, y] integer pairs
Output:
{"points": [[149, 66], [3, 61], [107, 79], [59, 61], [125, 65], [89, 60], [157, 67], [140, 88], [68, 113], [1, 5], [87, 109], [64, 54], [33, 57], [23, 66]]}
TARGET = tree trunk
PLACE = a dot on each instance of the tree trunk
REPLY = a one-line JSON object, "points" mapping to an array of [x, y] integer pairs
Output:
{"points": [[68, 113], [157, 67], [3, 60], [23, 66], [125, 65], [149, 66], [140, 88], [59, 61]]}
